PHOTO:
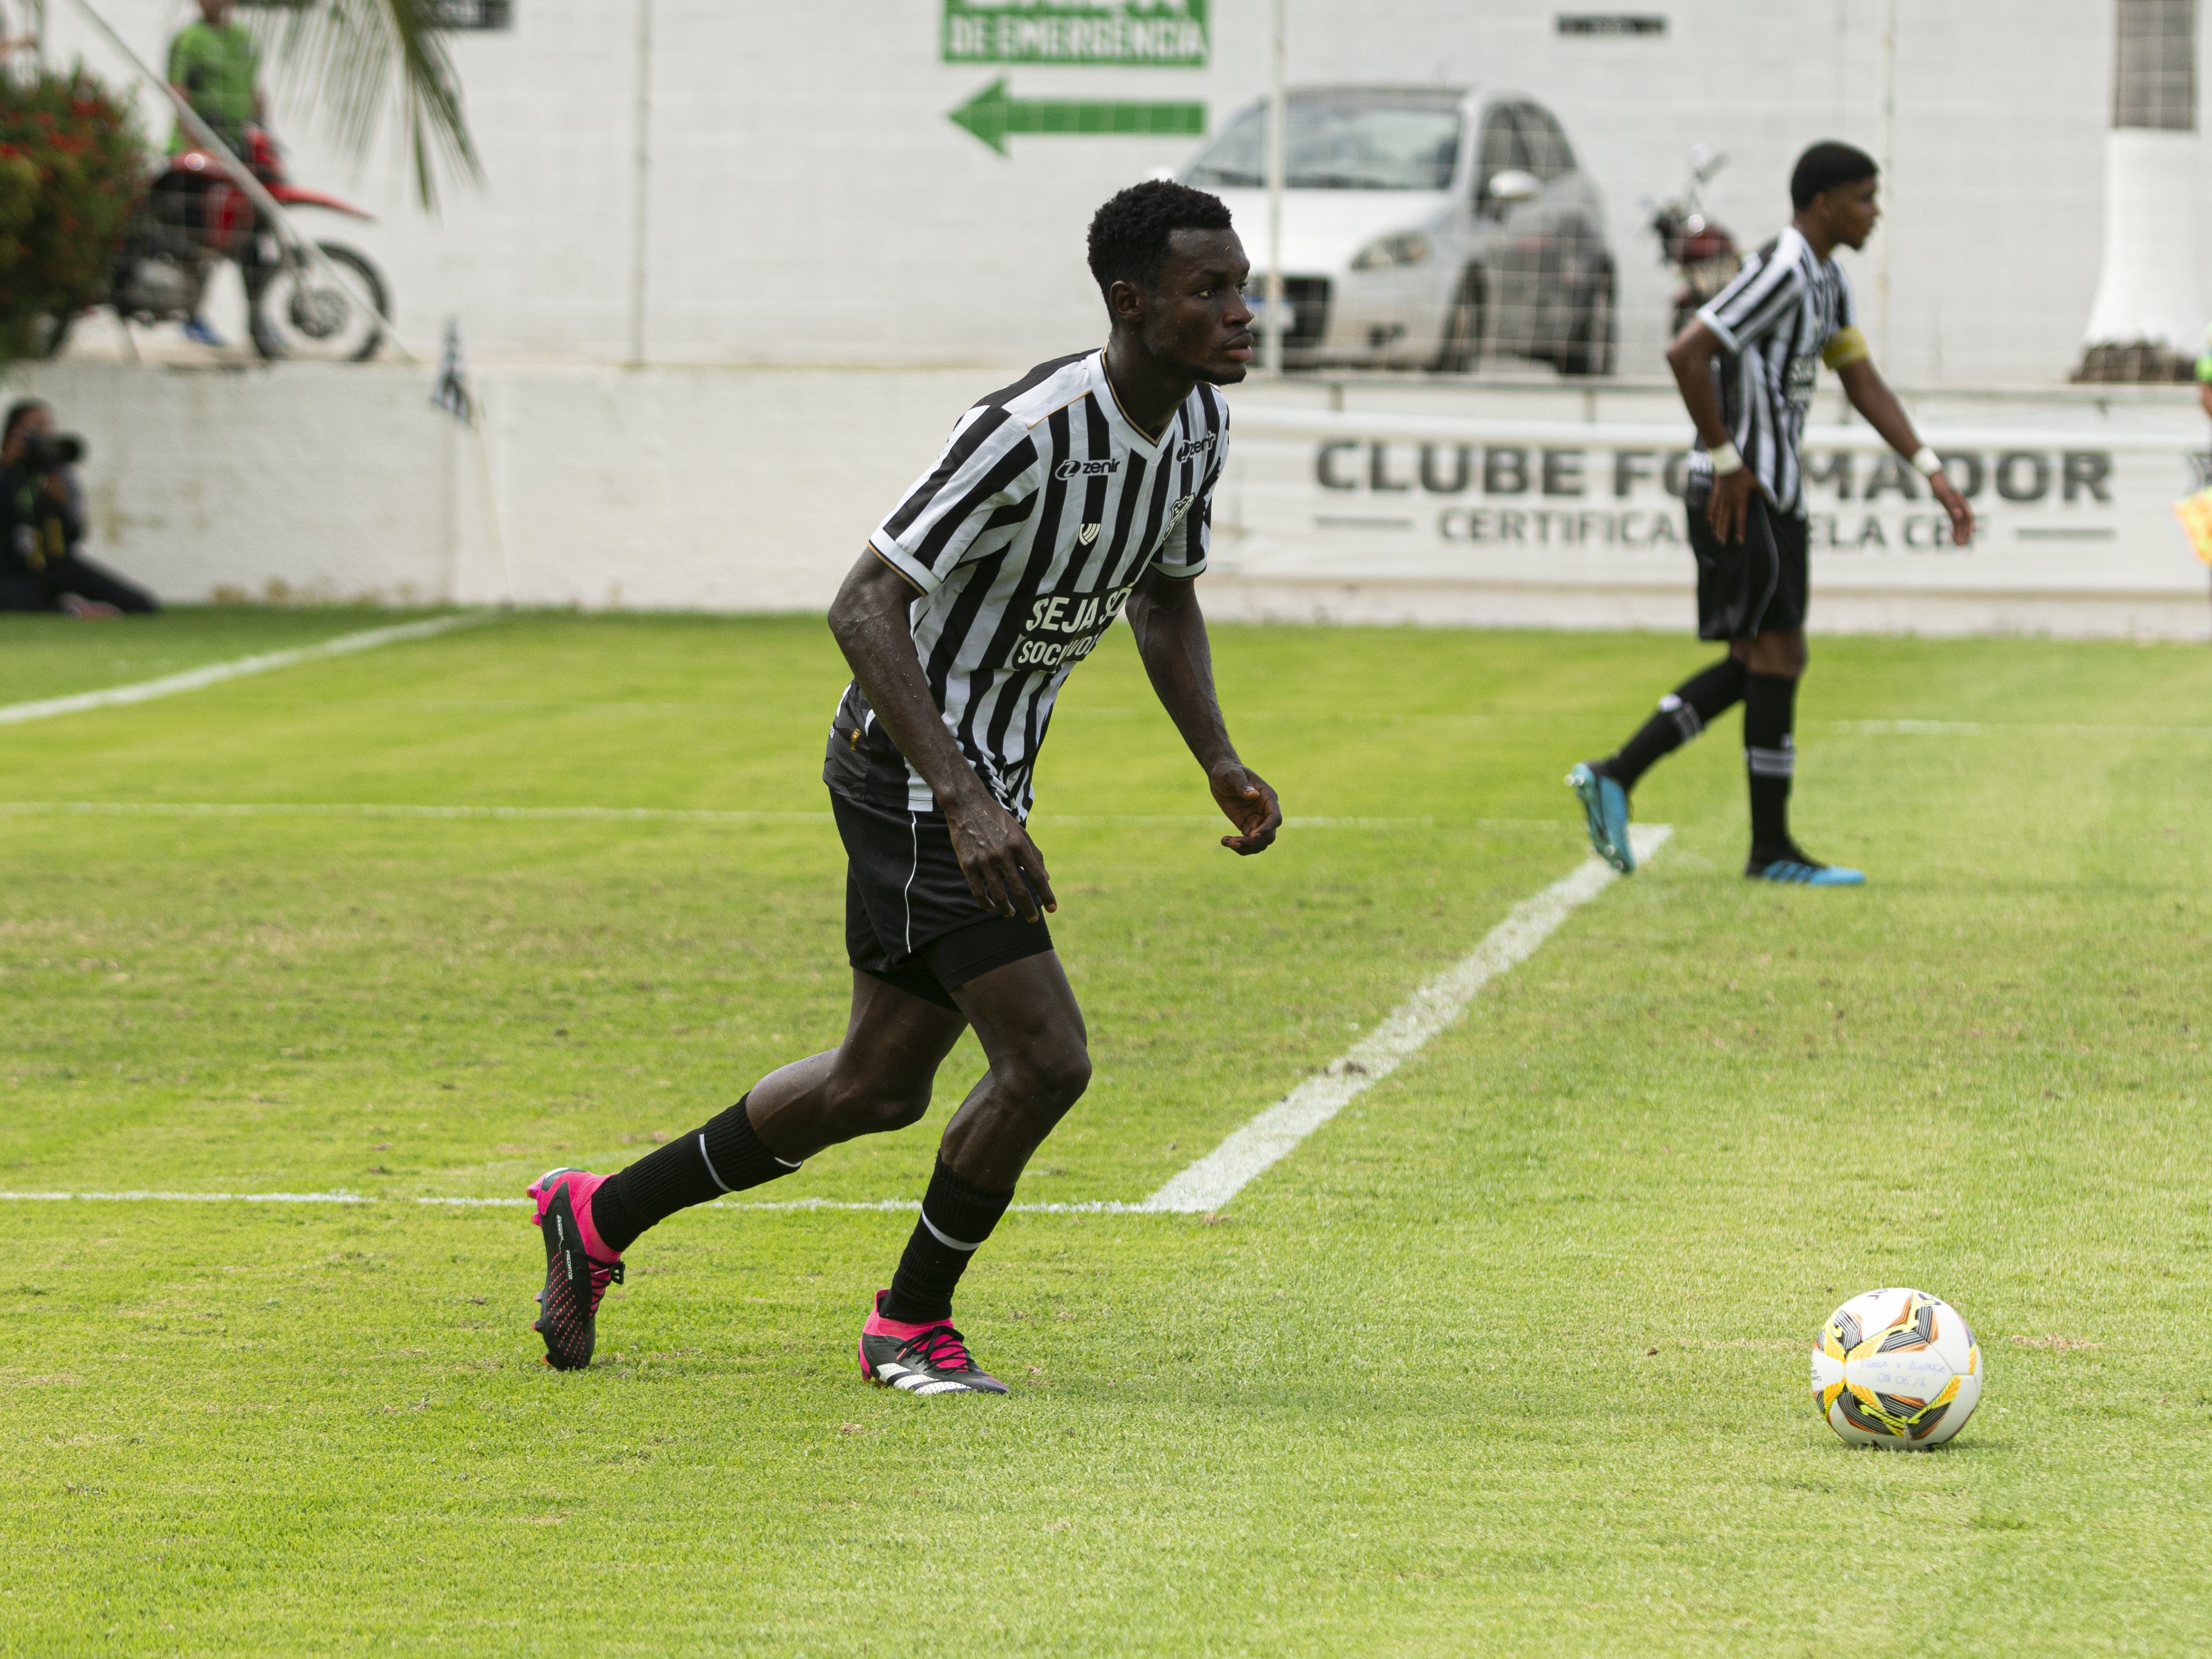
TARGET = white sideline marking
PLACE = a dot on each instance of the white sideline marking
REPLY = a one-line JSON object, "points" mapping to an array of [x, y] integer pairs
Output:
{"points": [[1977, 728], [1211, 1182], [194, 679], [1095, 1206], [174, 809], [199, 1198]]}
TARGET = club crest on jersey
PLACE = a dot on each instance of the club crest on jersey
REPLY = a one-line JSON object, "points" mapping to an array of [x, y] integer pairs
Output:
{"points": [[1181, 507], [1089, 534], [1073, 468]]}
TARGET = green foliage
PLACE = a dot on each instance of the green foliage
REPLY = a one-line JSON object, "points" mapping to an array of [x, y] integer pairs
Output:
{"points": [[367, 60], [72, 163]]}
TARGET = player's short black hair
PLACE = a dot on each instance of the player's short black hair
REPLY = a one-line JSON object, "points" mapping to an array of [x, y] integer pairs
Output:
{"points": [[1129, 234], [1824, 166]]}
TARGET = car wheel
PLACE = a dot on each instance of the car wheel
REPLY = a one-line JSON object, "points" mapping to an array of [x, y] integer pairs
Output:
{"points": [[1462, 343], [1591, 345]]}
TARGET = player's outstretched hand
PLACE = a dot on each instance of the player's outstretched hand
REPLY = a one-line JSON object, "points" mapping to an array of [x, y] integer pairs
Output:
{"points": [[1962, 516], [1004, 868], [1247, 801], [1731, 504]]}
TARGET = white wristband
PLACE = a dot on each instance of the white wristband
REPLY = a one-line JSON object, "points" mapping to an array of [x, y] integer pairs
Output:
{"points": [[1726, 460], [1926, 462]]}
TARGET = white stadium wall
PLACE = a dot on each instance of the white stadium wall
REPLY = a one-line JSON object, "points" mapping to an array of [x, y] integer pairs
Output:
{"points": [[808, 200], [714, 490]]}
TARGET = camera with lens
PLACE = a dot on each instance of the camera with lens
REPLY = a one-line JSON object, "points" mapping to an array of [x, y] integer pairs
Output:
{"points": [[49, 451]]}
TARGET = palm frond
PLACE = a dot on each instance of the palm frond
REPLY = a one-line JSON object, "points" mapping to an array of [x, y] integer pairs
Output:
{"points": [[369, 58]]}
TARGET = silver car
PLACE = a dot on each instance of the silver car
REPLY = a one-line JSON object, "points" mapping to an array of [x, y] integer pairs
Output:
{"points": [[1424, 227]]}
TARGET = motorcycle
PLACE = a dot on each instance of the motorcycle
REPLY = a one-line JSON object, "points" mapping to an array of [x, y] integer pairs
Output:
{"points": [[1704, 254], [327, 305]]}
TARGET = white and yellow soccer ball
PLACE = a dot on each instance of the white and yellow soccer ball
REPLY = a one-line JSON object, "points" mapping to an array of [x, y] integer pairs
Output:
{"points": [[1897, 1369]]}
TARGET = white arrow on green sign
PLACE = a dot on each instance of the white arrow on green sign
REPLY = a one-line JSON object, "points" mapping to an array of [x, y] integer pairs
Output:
{"points": [[991, 115]]}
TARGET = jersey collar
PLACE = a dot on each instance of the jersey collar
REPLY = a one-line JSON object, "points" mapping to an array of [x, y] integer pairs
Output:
{"points": [[1128, 430], [1790, 247]]}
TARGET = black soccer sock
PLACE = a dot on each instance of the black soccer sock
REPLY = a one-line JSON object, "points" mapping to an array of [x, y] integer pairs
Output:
{"points": [[1687, 710], [1770, 756], [957, 1217], [725, 1155]]}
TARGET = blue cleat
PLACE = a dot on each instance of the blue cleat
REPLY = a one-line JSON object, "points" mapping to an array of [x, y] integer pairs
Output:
{"points": [[1794, 869], [1605, 812]]}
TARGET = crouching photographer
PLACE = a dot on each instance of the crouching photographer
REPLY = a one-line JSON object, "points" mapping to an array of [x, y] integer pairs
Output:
{"points": [[42, 524]]}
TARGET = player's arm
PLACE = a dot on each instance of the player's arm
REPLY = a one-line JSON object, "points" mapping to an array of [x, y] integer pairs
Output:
{"points": [[868, 618], [1170, 629], [1871, 395], [1690, 356]]}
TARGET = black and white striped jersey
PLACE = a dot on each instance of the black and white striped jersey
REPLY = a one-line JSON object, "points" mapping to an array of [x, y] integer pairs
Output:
{"points": [[1782, 311], [1025, 540]]}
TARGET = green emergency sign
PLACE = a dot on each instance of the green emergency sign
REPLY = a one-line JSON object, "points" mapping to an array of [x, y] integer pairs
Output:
{"points": [[1127, 33]]}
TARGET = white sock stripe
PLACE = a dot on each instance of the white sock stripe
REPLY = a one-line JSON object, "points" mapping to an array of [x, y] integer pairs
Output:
{"points": [[1771, 762], [711, 1171], [946, 1239]]}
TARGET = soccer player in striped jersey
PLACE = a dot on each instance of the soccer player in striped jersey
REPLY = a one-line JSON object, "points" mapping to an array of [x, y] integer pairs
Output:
{"points": [[1746, 365], [1081, 493]]}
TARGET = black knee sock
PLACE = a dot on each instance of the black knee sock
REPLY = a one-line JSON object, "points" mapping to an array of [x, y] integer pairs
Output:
{"points": [[1770, 756], [1683, 712], [956, 1216], [723, 1156]]}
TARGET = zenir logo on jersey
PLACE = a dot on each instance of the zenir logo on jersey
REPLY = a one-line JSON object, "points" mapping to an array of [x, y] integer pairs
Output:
{"points": [[1191, 446], [1073, 468]]}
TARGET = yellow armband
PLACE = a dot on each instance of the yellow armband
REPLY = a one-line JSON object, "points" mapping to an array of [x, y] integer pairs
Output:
{"points": [[1845, 346]]}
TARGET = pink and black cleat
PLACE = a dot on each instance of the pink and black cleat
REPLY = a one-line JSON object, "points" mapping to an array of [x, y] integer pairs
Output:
{"points": [[931, 1358], [578, 1268]]}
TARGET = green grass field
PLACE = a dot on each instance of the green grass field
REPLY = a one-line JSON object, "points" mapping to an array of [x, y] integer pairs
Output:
{"points": [[1508, 1358]]}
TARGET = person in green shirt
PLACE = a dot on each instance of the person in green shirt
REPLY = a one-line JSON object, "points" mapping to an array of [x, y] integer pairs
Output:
{"points": [[2204, 374], [214, 65]]}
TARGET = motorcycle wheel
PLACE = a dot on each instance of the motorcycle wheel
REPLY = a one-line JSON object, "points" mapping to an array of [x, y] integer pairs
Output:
{"points": [[1591, 346], [324, 313], [1462, 343]]}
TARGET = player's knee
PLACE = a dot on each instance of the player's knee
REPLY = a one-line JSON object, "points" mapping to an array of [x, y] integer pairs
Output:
{"points": [[1782, 654], [1051, 1078], [870, 1106]]}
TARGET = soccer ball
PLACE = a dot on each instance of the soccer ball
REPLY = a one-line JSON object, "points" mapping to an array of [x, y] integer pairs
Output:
{"points": [[1897, 1369]]}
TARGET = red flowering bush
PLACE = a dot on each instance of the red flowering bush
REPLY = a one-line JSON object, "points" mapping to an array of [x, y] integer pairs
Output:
{"points": [[72, 164]]}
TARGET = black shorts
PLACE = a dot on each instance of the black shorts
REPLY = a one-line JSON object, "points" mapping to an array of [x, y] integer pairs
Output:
{"points": [[910, 918], [1756, 586]]}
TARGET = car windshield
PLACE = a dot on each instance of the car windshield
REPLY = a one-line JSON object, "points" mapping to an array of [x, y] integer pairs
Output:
{"points": [[1342, 141]]}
